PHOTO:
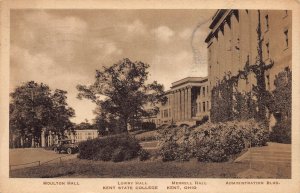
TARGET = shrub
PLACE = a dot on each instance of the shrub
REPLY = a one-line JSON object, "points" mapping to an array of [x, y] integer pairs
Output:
{"points": [[143, 155], [222, 141], [116, 148], [184, 152], [203, 120], [281, 132], [168, 151], [212, 142], [118, 155], [148, 126]]}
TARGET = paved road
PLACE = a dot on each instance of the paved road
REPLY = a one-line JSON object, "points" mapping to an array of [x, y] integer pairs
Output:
{"points": [[27, 155]]}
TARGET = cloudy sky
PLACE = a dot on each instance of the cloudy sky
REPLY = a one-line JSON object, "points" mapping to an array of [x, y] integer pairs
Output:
{"points": [[63, 48]]}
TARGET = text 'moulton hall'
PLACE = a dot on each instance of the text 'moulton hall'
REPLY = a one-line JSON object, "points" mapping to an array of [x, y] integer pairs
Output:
{"points": [[232, 43]]}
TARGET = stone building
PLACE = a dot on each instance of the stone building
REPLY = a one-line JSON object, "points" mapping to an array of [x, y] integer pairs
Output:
{"points": [[77, 136], [188, 102], [232, 42]]}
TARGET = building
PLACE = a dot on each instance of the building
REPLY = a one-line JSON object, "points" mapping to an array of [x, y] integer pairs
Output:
{"points": [[232, 42], [77, 136], [187, 102], [83, 135]]}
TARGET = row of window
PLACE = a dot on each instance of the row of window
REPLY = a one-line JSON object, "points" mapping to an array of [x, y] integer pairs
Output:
{"points": [[203, 91], [166, 113], [202, 106]]}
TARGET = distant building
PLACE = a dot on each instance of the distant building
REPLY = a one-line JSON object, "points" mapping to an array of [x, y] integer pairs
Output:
{"points": [[187, 102], [83, 135], [77, 136], [232, 40]]}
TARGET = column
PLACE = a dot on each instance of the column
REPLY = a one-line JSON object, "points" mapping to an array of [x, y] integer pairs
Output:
{"points": [[189, 102], [186, 117], [182, 105], [178, 105], [175, 105], [43, 144]]}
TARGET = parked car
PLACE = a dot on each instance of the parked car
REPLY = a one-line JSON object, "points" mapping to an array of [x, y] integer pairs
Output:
{"points": [[66, 146]]}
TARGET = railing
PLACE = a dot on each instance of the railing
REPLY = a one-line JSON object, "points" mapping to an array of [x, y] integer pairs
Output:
{"points": [[39, 163]]}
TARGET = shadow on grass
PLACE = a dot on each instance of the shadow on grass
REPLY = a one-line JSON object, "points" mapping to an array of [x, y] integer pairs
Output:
{"points": [[147, 169]]}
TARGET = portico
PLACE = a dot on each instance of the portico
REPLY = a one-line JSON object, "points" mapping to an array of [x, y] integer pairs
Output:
{"points": [[185, 102]]}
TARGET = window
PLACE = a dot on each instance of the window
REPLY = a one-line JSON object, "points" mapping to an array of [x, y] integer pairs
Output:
{"points": [[267, 22], [286, 35], [268, 82], [203, 89], [285, 13], [203, 106], [207, 104], [268, 49]]}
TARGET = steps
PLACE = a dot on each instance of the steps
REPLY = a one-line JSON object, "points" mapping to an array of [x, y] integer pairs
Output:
{"points": [[273, 153]]}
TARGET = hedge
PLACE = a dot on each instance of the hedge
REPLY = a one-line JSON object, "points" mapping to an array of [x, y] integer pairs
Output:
{"points": [[212, 142], [115, 148]]}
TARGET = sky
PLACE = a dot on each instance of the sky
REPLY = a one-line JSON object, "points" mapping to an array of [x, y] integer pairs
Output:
{"points": [[63, 48]]}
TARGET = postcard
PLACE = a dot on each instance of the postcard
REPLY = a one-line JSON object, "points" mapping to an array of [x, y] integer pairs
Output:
{"points": [[149, 96]]}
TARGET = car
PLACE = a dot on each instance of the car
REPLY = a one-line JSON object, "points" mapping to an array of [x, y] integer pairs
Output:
{"points": [[66, 146]]}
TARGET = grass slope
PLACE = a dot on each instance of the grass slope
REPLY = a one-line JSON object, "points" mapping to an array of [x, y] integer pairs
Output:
{"points": [[149, 169]]}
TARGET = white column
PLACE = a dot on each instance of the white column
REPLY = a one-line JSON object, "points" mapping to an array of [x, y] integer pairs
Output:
{"points": [[189, 102], [182, 105], [43, 144]]}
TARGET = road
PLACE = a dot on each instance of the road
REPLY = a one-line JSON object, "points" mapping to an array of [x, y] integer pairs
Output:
{"points": [[27, 155]]}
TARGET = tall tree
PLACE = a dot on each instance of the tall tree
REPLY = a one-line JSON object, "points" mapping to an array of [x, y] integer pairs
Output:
{"points": [[33, 107], [61, 113], [121, 91]]}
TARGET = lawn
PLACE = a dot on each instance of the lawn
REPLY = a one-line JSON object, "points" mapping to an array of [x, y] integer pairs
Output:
{"points": [[77, 168]]}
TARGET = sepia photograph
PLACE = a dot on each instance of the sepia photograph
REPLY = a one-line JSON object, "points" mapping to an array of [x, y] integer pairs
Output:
{"points": [[131, 96], [140, 93]]}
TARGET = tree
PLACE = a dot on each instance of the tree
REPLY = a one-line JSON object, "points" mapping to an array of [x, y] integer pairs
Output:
{"points": [[33, 107], [84, 125], [61, 113], [120, 90]]}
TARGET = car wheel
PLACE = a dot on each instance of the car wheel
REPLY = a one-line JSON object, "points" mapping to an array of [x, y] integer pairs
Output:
{"points": [[69, 151]]}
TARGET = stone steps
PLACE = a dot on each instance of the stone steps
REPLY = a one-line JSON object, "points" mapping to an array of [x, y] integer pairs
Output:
{"points": [[273, 153]]}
